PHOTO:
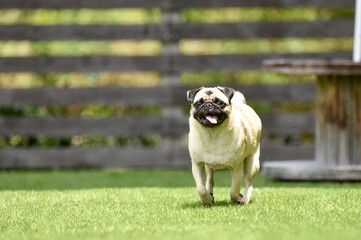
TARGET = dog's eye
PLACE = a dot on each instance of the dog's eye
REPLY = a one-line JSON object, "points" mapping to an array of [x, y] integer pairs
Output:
{"points": [[198, 104], [220, 103]]}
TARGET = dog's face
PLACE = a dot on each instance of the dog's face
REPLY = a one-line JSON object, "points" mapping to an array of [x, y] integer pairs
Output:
{"points": [[210, 106]]}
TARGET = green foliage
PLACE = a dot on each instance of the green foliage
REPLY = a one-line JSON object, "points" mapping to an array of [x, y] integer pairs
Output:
{"points": [[138, 204], [103, 110], [187, 47], [82, 16], [92, 110], [245, 77], [40, 141], [80, 141], [76, 48], [289, 45], [73, 80], [141, 16], [264, 14]]}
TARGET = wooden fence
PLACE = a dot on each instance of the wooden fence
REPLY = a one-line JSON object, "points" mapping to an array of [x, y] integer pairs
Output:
{"points": [[172, 123]]}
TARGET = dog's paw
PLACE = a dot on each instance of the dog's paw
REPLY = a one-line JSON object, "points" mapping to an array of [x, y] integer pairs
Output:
{"points": [[243, 201], [236, 199], [207, 198]]}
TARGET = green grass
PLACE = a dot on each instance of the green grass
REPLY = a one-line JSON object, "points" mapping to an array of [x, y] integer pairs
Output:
{"points": [[157, 204]]}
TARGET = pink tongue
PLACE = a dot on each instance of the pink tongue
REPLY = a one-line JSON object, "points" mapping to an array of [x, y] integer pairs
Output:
{"points": [[212, 119]]}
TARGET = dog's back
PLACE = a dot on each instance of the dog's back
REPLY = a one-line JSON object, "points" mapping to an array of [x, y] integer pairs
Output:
{"points": [[250, 122]]}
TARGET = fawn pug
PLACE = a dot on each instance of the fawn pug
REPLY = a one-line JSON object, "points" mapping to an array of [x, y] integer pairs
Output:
{"points": [[224, 133]]}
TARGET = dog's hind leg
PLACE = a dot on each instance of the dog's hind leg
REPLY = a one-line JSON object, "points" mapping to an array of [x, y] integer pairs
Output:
{"points": [[250, 168], [198, 171]]}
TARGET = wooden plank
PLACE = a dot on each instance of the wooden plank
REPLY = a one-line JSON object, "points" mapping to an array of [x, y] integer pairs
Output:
{"points": [[171, 63], [304, 92], [273, 152], [248, 30], [244, 62], [135, 96], [253, 30], [112, 126], [345, 67], [80, 32], [289, 124], [310, 171], [108, 4], [280, 124], [47, 64], [44, 158], [40, 158], [132, 96]]}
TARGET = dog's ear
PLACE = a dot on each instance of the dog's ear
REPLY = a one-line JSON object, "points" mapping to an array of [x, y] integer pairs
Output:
{"points": [[229, 92], [192, 93]]}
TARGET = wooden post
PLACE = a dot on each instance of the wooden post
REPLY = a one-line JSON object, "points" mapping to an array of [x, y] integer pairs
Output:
{"points": [[338, 120], [356, 94], [338, 127], [172, 144]]}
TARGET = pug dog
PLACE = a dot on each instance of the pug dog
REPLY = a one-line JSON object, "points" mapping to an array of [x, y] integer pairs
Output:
{"points": [[224, 134]]}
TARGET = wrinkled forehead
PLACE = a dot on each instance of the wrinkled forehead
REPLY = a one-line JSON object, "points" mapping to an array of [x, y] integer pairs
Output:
{"points": [[210, 94]]}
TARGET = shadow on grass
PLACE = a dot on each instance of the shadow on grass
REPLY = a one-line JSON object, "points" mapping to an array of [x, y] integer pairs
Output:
{"points": [[117, 178], [220, 203], [198, 204]]}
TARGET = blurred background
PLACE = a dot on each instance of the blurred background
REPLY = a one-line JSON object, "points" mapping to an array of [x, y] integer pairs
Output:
{"points": [[84, 85]]}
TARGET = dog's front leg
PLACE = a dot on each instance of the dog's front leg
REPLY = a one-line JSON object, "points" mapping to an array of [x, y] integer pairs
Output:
{"points": [[237, 175], [198, 171], [210, 181]]}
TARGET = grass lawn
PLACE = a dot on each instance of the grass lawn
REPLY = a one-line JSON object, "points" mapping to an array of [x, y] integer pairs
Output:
{"points": [[163, 204]]}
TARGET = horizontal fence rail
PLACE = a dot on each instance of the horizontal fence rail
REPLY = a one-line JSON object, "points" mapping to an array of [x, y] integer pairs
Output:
{"points": [[176, 32], [134, 96], [168, 4], [65, 127], [86, 158], [99, 95], [140, 125], [171, 63], [174, 157]]}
